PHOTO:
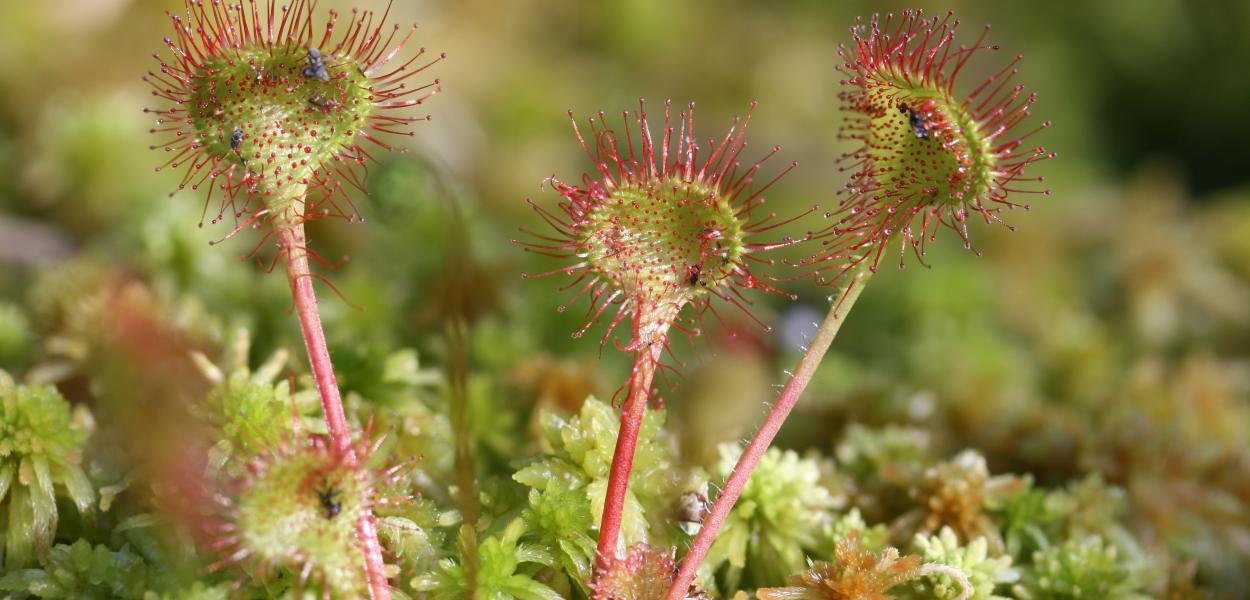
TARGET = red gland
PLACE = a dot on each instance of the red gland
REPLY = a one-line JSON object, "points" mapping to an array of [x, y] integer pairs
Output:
{"points": [[928, 157]]}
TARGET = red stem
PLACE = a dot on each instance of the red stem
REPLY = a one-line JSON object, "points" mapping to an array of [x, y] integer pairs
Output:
{"points": [[635, 408], [375, 567], [754, 451], [294, 247]]}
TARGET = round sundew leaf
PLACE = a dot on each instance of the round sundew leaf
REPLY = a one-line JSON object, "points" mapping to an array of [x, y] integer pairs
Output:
{"points": [[932, 155], [929, 148], [268, 112], [302, 508], [263, 111], [664, 224], [670, 240], [298, 508]]}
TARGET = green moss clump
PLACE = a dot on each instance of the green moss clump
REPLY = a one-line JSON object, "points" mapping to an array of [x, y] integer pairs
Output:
{"points": [[40, 451], [1079, 568], [780, 516], [582, 454], [83, 571], [505, 571]]}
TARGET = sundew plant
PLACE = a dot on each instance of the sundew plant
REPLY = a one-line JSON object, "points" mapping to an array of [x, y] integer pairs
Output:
{"points": [[622, 301]]}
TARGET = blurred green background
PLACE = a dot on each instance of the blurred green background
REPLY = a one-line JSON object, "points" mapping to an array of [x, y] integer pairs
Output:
{"points": [[1110, 334]]}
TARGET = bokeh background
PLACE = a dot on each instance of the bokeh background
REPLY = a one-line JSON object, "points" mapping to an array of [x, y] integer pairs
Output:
{"points": [[1109, 335]]}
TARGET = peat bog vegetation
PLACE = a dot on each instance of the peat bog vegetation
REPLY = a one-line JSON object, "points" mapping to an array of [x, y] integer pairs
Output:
{"points": [[301, 300]]}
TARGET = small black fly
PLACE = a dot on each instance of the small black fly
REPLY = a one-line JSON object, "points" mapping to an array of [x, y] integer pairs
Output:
{"points": [[918, 125], [236, 141], [328, 502], [692, 274], [316, 68], [323, 102]]}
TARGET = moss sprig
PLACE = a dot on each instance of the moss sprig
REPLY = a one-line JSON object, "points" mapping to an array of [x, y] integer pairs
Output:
{"points": [[40, 458], [582, 448], [81, 570], [505, 571], [780, 517]]}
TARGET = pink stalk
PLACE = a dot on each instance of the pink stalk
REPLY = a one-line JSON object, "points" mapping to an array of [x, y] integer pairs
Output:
{"points": [[764, 436], [375, 567], [632, 412], [294, 247]]}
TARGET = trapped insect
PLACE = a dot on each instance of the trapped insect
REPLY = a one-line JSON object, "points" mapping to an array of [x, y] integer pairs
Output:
{"points": [[693, 272], [328, 502], [918, 124], [316, 68]]}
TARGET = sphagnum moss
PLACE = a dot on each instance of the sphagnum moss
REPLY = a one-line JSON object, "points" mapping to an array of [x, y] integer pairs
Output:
{"points": [[40, 451]]}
